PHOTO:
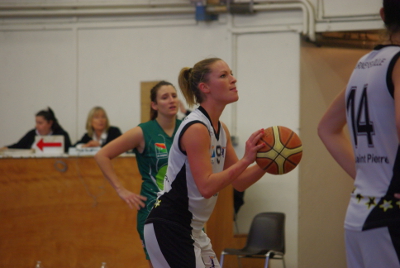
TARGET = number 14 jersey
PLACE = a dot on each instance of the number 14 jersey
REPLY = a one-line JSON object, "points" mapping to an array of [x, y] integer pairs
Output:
{"points": [[372, 126]]}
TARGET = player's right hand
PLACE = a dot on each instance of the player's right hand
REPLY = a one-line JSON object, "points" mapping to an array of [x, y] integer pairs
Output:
{"points": [[132, 199], [252, 147]]}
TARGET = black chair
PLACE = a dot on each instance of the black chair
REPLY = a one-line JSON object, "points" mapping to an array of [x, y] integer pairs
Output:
{"points": [[266, 239]]}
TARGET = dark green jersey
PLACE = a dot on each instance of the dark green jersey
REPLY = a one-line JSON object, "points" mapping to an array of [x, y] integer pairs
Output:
{"points": [[153, 161]]}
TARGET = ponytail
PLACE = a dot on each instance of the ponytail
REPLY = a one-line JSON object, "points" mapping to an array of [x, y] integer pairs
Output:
{"points": [[184, 84], [190, 78]]}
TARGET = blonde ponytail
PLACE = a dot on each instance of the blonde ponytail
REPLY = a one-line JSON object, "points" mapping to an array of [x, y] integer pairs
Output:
{"points": [[189, 79]]}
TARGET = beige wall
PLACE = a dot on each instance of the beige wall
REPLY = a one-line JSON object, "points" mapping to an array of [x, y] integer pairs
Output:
{"points": [[324, 188]]}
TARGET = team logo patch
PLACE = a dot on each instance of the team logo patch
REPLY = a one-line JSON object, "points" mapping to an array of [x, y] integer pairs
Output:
{"points": [[161, 149]]}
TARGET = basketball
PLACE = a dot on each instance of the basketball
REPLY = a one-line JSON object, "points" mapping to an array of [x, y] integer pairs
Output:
{"points": [[282, 151]]}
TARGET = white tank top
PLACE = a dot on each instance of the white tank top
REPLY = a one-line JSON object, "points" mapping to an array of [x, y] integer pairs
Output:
{"points": [[372, 127], [181, 201]]}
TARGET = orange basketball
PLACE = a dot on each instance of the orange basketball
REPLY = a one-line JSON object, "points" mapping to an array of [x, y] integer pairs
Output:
{"points": [[282, 151]]}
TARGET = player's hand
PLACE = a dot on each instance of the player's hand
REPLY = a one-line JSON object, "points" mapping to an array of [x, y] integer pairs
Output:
{"points": [[397, 195], [252, 147], [132, 199]]}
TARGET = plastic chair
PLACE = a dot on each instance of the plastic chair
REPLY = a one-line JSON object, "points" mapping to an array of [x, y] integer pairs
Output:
{"points": [[266, 239]]}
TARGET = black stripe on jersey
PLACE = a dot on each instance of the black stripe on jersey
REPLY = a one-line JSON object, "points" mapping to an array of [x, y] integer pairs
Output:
{"points": [[183, 131], [394, 186], [175, 244], [174, 205], [395, 237], [389, 80], [209, 119]]}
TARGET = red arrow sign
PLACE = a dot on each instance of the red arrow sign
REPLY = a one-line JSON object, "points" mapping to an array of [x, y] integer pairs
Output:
{"points": [[42, 144]]}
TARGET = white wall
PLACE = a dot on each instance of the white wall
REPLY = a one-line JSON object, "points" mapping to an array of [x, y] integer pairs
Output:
{"points": [[37, 69], [72, 70], [268, 71]]}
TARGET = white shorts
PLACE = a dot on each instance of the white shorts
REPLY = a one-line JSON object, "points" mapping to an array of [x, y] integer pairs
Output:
{"points": [[170, 245], [374, 248]]}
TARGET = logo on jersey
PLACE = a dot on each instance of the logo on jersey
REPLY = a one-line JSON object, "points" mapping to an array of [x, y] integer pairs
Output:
{"points": [[217, 153], [161, 150]]}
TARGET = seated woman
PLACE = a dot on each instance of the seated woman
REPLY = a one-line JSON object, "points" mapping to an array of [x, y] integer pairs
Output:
{"points": [[99, 132], [46, 124]]}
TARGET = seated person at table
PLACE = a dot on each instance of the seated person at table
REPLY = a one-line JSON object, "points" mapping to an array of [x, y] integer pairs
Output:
{"points": [[46, 124], [99, 132]]}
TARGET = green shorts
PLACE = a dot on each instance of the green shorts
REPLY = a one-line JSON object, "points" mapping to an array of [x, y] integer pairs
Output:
{"points": [[141, 218]]}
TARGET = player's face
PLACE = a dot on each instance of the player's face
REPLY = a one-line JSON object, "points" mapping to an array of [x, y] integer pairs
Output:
{"points": [[99, 121], [222, 83], [42, 125], [167, 101]]}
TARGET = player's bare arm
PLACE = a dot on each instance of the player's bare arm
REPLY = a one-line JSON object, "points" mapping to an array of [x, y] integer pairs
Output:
{"points": [[330, 130], [131, 139]]}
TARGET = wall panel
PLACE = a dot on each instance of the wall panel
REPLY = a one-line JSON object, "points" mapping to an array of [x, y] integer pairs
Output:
{"points": [[38, 69], [268, 85], [345, 8]]}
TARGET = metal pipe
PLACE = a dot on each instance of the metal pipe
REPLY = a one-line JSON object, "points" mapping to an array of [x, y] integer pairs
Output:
{"points": [[77, 9], [105, 4], [266, 7], [96, 12], [304, 5]]}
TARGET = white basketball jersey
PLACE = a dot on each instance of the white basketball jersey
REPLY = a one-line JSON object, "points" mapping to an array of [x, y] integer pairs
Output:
{"points": [[181, 201], [372, 127]]}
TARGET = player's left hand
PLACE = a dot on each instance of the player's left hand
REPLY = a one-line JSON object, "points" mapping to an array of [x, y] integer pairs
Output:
{"points": [[133, 200]]}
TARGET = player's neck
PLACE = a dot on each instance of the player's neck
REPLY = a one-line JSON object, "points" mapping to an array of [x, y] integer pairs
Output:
{"points": [[167, 124], [214, 112], [395, 39]]}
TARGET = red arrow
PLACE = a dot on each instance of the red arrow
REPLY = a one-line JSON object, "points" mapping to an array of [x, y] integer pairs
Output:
{"points": [[42, 144]]}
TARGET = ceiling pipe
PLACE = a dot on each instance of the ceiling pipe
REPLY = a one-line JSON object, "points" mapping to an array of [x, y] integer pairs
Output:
{"points": [[88, 9], [57, 10], [109, 11], [105, 4], [303, 5]]}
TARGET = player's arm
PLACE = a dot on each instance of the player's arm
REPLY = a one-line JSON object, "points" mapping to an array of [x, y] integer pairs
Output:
{"points": [[197, 150], [131, 139], [331, 132], [246, 178], [396, 83]]}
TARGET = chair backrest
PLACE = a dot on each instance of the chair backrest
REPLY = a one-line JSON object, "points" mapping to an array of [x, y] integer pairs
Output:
{"points": [[267, 232]]}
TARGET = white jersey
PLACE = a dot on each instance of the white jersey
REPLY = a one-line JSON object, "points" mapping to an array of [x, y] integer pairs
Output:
{"points": [[372, 127], [181, 201]]}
